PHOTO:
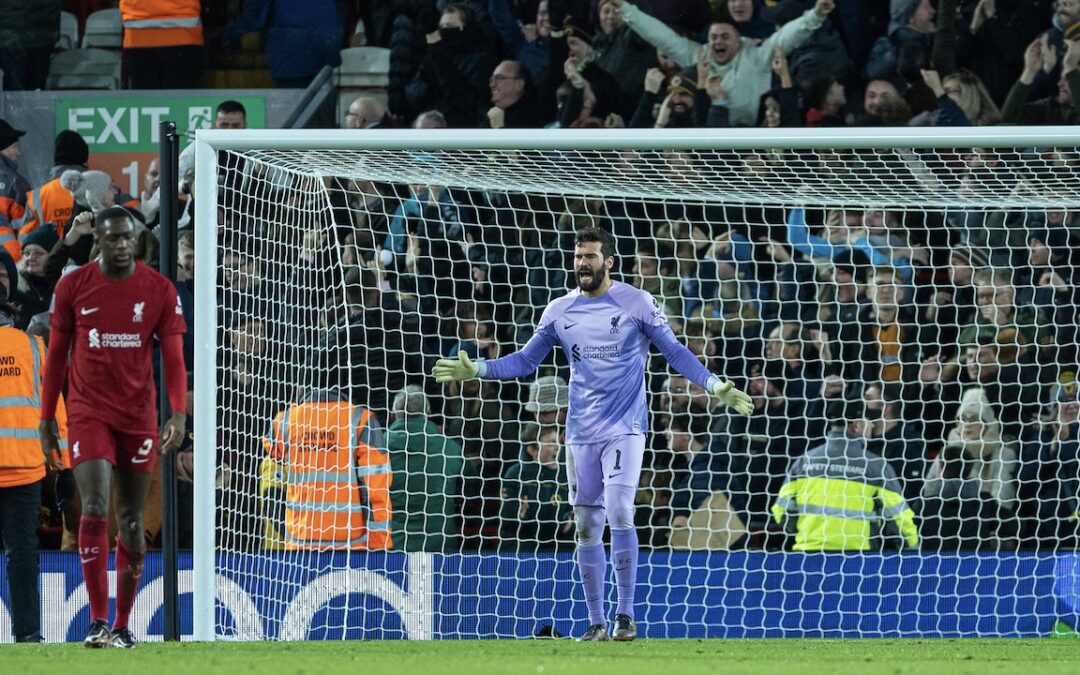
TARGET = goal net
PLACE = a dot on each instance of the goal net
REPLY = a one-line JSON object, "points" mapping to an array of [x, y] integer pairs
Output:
{"points": [[900, 305]]}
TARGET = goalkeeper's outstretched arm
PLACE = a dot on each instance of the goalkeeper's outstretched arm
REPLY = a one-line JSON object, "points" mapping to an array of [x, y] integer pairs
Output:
{"points": [[519, 364], [683, 360]]}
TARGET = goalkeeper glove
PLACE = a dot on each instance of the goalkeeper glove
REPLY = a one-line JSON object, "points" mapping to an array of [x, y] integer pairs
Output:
{"points": [[454, 370], [732, 397]]}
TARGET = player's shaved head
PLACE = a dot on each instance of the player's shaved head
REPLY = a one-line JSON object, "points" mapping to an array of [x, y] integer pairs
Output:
{"points": [[113, 213], [114, 234]]}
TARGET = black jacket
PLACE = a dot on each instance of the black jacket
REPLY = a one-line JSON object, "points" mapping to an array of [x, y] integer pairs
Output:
{"points": [[461, 63]]}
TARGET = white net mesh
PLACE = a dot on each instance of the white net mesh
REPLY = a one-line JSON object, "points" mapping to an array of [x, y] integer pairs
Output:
{"points": [[905, 320]]}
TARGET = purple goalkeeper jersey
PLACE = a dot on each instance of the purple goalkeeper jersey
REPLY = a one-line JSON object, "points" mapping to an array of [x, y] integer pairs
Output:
{"points": [[607, 341]]}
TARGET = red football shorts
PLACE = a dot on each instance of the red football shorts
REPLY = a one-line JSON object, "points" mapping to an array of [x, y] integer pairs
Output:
{"points": [[94, 439]]}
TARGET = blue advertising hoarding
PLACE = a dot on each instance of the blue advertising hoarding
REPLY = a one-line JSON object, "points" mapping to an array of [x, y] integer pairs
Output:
{"points": [[333, 596]]}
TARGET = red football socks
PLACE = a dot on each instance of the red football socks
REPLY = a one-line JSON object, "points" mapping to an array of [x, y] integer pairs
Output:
{"points": [[94, 555], [129, 566]]}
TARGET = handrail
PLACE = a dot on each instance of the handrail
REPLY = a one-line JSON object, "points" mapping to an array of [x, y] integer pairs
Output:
{"points": [[311, 100]]}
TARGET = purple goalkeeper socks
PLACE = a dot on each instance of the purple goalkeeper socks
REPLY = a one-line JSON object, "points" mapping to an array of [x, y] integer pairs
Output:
{"points": [[592, 566], [624, 556]]}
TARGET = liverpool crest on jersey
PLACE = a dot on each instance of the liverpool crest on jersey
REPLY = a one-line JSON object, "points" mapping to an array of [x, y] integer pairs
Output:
{"points": [[615, 324], [137, 311]]}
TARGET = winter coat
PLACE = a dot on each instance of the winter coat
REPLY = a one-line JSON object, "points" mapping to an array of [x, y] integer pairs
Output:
{"points": [[461, 64], [407, 95], [302, 36]]}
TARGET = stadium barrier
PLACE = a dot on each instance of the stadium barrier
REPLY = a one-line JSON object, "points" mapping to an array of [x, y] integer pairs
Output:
{"points": [[681, 595]]}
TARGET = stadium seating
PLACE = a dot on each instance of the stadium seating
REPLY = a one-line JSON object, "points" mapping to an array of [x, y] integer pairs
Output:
{"points": [[103, 29], [84, 69], [69, 31], [364, 68]]}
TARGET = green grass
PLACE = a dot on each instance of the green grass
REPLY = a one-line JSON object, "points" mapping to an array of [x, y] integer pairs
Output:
{"points": [[551, 657]]}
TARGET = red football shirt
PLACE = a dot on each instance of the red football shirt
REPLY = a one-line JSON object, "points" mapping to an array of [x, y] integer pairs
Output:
{"points": [[112, 323]]}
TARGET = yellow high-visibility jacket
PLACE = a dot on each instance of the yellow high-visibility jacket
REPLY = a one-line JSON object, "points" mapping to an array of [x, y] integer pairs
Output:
{"points": [[840, 497]]}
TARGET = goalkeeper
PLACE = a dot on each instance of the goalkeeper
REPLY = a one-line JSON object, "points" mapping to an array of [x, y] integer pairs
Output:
{"points": [[605, 328]]}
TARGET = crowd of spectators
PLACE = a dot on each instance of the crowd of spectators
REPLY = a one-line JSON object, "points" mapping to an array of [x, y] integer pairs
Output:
{"points": [[956, 328], [769, 63]]}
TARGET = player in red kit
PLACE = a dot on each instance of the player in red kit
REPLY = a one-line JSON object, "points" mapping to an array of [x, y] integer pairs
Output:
{"points": [[105, 315]]}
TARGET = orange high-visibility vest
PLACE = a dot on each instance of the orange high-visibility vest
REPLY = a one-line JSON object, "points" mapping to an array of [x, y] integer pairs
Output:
{"points": [[10, 242], [12, 209], [161, 23], [50, 203], [336, 474], [22, 362], [11, 186]]}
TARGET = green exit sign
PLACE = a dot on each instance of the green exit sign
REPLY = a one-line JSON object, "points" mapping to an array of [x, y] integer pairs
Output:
{"points": [[132, 124]]}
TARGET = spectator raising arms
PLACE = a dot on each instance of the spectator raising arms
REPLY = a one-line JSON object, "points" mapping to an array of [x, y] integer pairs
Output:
{"points": [[743, 63]]}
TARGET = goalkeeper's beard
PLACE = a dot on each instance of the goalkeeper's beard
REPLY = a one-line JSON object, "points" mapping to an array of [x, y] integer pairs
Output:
{"points": [[592, 282]]}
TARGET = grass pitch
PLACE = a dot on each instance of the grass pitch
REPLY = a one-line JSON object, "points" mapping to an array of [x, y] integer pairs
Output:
{"points": [[557, 657]]}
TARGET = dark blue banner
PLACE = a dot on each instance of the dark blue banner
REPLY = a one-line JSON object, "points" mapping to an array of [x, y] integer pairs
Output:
{"points": [[335, 596]]}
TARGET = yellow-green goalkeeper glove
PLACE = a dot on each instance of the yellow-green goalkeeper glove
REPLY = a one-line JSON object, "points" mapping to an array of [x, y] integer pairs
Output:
{"points": [[454, 370], [726, 392]]}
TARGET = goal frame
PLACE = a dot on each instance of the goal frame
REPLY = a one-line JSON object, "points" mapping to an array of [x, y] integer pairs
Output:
{"points": [[209, 142]]}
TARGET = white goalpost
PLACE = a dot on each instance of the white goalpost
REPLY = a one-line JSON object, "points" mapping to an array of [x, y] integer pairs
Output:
{"points": [[900, 303]]}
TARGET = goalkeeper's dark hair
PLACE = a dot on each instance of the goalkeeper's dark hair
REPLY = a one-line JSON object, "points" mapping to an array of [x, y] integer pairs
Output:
{"points": [[601, 236]]}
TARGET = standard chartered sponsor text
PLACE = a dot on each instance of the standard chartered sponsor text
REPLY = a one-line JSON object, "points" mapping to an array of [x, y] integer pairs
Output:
{"points": [[115, 340]]}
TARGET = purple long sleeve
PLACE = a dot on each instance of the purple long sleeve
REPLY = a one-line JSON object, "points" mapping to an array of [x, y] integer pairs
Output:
{"points": [[525, 361], [678, 356]]}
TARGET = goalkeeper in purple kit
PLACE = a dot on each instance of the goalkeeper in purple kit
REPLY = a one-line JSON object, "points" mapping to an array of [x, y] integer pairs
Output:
{"points": [[605, 327]]}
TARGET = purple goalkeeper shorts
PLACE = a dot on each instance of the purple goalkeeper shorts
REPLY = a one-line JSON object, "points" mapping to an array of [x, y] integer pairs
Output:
{"points": [[591, 466]]}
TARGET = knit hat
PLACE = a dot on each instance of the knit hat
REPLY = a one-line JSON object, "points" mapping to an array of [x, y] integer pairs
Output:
{"points": [[548, 394], [682, 81], [974, 405], [71, 149], [900, 12], [571, 29], [44, 236], [974, 257], [88, 187], [9, 135]]}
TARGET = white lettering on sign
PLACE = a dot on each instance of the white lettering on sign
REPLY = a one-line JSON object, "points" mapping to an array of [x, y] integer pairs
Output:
{"points": [[155, 115], [81, 119], [112, 125], [123, 125]]}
